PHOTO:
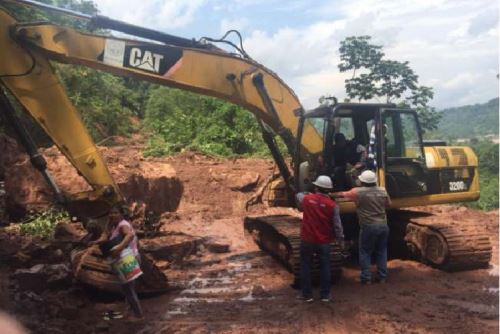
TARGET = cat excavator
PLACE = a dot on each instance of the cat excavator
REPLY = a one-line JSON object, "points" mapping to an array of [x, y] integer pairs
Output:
{"points": [[414, 172]]}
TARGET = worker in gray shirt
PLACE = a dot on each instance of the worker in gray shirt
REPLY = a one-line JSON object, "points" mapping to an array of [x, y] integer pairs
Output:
{"points": [[371, 203]]}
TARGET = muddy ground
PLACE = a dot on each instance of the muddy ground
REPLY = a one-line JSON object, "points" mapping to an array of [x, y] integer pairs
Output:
{"points": [[246, 291]]}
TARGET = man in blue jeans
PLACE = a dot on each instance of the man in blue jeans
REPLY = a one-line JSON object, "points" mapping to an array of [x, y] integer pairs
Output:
{"points": [[321, 220], [371, 203]]}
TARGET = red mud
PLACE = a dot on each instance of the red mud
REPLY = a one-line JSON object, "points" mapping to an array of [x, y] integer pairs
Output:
{"points": [[246, 291], [154, 184]]}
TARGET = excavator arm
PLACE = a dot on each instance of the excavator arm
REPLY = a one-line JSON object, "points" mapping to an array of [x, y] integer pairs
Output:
{"points": [[25, 71]]}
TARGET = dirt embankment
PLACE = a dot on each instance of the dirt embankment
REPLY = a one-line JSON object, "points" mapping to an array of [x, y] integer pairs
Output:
{"points": [[236, 288], [154, 184]]}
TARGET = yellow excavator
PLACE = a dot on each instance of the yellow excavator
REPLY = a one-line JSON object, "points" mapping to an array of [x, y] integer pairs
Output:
{"points": [[414, 172]]}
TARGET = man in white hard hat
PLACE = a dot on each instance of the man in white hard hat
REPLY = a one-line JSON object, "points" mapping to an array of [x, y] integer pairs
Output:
{"points": [[320, 224], [371, 203]]}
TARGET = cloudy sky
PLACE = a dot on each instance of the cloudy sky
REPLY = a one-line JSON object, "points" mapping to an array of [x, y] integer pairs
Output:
{"points": [[451, 44]]}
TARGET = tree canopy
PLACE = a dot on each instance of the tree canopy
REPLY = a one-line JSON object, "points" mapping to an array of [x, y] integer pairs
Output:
{"points": [[373, 76]]}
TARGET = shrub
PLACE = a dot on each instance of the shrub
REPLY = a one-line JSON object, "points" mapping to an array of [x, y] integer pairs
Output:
{"points": [[42, 224]]}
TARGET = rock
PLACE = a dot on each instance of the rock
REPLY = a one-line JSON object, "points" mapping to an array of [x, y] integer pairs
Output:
{"points": [[8, 247], [217, 245], [244, 183], [173, 248], [162, 265], [39, 252], [42, 276], [160, 190], [259, 291], [69, 232]]}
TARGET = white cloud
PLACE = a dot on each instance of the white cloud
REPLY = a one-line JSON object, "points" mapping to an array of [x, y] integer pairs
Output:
{"points": [[154, 14], [451, 44], [239, 24]]}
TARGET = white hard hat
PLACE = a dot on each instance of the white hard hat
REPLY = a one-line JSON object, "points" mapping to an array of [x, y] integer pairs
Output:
{"points": [[368, 176], [324, 182]]}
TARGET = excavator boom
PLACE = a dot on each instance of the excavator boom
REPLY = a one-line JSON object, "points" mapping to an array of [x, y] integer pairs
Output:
{"points": [[27, 74]]}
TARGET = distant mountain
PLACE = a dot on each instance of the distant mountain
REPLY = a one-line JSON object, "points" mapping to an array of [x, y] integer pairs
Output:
{"points": [[472, 121]]}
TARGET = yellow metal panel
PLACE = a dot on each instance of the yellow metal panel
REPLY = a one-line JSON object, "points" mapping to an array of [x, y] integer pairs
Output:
{"points": [[406, 202], [41, 93], [200, 71], [450, 156]]}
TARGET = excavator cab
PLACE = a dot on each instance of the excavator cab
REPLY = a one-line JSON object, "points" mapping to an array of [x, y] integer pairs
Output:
{"points": [[356, 137]]}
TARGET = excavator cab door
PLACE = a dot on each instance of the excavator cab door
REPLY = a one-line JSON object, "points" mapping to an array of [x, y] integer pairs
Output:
{"points": [[404, 166]]}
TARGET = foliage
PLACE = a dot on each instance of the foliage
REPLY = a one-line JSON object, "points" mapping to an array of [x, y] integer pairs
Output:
{"points": [[488, 184], [382, 78], [28, 13], [42, 224], [488, 157], [469, 122], [487, 154], [99, 98], [180, 120], [357, 53]]}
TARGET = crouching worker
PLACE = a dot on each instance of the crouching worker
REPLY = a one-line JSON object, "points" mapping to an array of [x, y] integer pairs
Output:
{"points": [[320, 222], [119, 242]]}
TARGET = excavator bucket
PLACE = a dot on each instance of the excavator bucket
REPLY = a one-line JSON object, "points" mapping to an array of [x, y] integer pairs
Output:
{"points": [[92, 269]]}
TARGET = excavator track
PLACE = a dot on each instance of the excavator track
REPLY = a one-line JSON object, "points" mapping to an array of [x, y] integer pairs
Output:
{"points": [[279, 235], [449, 245]]}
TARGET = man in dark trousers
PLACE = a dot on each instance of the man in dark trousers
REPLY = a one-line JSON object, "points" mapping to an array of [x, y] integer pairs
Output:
{"points": [[321, 220], [371, 203]]}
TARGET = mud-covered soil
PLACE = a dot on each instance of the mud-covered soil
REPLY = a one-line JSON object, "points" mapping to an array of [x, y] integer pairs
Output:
{"points": [[246, 291]]}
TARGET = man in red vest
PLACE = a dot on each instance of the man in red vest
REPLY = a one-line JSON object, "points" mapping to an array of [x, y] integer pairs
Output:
{"points": [[320, 223]]}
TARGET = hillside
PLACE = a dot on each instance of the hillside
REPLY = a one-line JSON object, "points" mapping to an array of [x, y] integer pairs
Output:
{"points": [[469, 121]]}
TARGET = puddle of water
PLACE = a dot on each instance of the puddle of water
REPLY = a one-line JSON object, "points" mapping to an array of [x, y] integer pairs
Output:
{"points": [[199, 282], [238, 268], [212, 290], [195, 300], [473, 307], [177, 311]]}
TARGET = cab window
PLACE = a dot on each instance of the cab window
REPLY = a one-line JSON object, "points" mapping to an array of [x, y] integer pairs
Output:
{"points": [[401, 135], [345, 126]]}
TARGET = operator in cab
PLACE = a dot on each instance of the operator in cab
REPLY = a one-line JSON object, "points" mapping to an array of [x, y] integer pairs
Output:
{"points": [[349, 160]]}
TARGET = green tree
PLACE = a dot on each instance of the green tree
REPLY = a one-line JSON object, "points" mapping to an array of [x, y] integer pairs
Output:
{"points": [[25, 13], [487, 154], [178, 120], [356, 52], [391, 80], [99, 97]]}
